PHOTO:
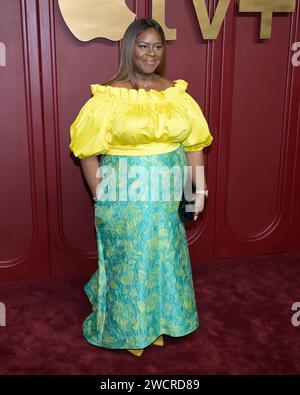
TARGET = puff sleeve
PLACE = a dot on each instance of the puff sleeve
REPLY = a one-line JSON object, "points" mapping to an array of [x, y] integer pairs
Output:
{"points": [[199, 135], [90, 131]]}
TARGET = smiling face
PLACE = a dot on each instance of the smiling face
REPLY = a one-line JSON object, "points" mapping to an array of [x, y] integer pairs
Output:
{"points": [[148, 51]]}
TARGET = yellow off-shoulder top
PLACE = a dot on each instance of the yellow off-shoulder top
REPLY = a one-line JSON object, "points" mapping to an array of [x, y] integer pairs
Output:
{"points": [[121, 121]]}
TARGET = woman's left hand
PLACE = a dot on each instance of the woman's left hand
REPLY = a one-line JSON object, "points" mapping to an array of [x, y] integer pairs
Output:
{"points": [[199, 204]]}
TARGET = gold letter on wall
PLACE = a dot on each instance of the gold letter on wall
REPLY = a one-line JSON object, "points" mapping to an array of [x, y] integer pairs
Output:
{"points": [[266, 8], [159, 14], [210, 30], [89, 19]]}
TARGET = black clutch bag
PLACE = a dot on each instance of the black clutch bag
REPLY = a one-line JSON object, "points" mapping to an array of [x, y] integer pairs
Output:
{"points": [[185, 214]]}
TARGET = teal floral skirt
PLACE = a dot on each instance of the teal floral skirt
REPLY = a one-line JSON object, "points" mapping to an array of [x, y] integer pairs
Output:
{"points": [[143, 287]]}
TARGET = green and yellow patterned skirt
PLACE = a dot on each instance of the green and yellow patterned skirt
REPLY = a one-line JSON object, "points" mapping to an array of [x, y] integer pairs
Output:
{"points": [[143, 287]]}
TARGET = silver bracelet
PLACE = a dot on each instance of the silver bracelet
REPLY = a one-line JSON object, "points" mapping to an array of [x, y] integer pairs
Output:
{"points": [[203, 191], [95, 198]]}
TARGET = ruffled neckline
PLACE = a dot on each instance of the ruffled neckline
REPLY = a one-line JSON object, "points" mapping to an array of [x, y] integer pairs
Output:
{"points": [[180, 86]]}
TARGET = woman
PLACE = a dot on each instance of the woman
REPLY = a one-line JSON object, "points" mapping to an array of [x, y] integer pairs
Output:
{"points": [[143, 286]]}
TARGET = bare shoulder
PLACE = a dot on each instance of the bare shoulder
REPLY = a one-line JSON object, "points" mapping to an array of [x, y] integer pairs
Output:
{"points": [[161, 83], [120, 84], [165, 83]]}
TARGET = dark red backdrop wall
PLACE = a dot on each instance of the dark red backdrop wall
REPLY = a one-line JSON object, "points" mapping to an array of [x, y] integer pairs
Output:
{"points": [[247, 88]]}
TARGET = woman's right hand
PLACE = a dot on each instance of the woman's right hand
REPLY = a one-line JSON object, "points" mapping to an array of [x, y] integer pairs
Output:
{"points": [[199, 199], [90, 168]]}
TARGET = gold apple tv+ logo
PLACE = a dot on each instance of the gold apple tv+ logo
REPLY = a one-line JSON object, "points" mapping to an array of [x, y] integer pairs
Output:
{"points": [[89, 19]]}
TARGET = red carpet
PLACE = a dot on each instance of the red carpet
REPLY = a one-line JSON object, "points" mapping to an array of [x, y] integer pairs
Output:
{"points": [[244, 307]]}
